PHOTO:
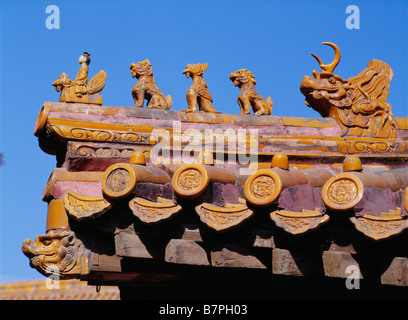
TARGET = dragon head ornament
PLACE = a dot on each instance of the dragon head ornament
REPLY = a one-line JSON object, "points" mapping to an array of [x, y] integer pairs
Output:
{"points": [[358, 104]]}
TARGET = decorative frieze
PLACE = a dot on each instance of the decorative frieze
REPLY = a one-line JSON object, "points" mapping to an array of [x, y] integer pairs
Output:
{"points": [[152, 212], [381, 227], [364, 147], [90, 131], [81, 208], [299, 222], [86, 150], [223, 218]]}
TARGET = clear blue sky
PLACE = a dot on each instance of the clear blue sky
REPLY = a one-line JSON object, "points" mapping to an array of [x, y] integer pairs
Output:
{"points": [[273, 39]]}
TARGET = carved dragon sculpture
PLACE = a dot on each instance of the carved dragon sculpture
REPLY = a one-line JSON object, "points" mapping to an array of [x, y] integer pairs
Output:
{"points": [[145, 88], [248, 96], [357, 104]]}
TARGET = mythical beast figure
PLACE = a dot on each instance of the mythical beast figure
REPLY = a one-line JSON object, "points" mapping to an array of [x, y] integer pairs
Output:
{"points": [[145, 88], [245, 81], [198, 93], [56, 252], [357, 104]]}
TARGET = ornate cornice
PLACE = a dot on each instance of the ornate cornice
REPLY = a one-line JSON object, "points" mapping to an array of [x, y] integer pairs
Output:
{"points": [[309, 137], [99, 131]]}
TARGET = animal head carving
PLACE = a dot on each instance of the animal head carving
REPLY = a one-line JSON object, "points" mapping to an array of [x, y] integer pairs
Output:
{"points": [[63, 80], [359, 103], [242, 76], [54, 252], [143, 68], [195, 69]]}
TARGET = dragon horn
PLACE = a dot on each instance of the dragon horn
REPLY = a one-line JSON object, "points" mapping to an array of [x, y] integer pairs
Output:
{"points": [[329, 67]]}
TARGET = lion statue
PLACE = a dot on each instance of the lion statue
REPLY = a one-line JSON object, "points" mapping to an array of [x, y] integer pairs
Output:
{"points": [[245, 81], [54, 252], [359, 104], [145, 88]]}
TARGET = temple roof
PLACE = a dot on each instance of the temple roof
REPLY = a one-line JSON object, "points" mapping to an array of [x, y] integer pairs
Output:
{"points": [[125, 190], [143, 197]]}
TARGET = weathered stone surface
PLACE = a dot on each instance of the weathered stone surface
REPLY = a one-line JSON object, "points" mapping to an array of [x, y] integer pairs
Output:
{"points": [[192, 233], [106, 263], [186, 252], [339, 264], [294, 263], [130, 245], [235, 256], [264, 239], [397, 273]]}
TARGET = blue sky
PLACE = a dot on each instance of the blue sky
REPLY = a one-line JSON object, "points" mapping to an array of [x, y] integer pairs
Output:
{"points": [[273, 39]]}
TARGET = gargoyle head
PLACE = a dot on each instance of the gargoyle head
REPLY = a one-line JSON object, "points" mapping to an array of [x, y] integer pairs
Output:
{"points": [[143, 68], [359, 101], [54, 252], [241, 77], [195, 69]]}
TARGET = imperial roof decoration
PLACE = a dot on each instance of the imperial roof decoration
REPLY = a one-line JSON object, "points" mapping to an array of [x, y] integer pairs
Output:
{"points": [[223, 190]]}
